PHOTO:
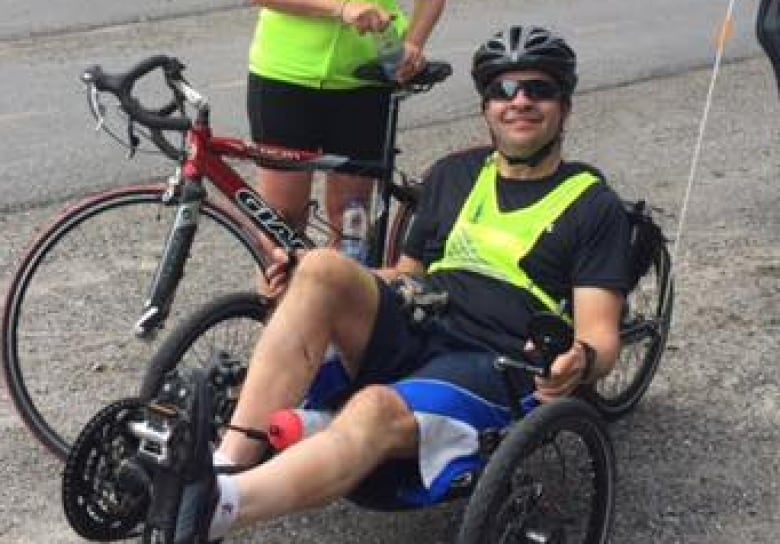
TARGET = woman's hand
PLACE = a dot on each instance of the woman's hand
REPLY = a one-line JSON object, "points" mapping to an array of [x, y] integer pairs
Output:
{"points": [[413, 62], [365, 17]]}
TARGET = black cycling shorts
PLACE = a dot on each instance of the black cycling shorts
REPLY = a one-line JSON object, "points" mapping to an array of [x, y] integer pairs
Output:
{"points": [[398, 350], [343, 122], [451, 386]]}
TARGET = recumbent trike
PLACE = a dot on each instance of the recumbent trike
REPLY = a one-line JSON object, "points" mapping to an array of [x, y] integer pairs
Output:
{"points": [[550, 478]]}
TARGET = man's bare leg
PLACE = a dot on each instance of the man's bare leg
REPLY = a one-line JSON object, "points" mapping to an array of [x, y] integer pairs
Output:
{"points": [[374, 425], [331, 299]]}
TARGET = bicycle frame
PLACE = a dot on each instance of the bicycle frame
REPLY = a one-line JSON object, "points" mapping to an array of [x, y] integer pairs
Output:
{"points": [[205, 159]]}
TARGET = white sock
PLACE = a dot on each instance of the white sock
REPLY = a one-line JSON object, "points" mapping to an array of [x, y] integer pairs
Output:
{"points": [[226, 512], [219, 459]]}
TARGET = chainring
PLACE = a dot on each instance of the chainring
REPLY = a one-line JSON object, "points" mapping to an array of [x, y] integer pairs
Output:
{"points": [[96, 506]]}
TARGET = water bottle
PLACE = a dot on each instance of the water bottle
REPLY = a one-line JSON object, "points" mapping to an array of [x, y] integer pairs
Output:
{"points": [[390, 50], [286, 427], [354, 231]]}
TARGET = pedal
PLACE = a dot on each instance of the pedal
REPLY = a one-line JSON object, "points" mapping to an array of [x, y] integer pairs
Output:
{"points": [[164, 432], [176, 445]]}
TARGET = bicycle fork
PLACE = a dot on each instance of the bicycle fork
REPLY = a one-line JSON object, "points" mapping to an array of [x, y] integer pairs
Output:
{"points": [[170, 269]]}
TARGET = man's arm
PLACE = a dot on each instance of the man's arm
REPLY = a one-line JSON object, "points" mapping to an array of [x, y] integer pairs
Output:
{"points": [[597, 323]]}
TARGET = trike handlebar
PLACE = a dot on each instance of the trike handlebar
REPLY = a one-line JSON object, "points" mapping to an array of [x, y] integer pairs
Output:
{"points": [[551, 336]]}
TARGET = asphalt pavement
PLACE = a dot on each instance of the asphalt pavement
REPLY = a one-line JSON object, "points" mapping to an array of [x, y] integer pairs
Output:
{"points": [[51, 152]]}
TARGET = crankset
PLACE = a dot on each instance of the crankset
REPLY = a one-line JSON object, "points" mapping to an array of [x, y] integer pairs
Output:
{"points": [[107, 482], [102, 490]]}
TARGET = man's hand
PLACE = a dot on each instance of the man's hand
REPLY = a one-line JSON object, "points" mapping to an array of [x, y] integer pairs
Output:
{"points": [[566, 374], [277, 274]]}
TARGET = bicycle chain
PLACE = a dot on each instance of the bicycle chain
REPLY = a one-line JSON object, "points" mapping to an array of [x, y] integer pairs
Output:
{"points": [[98, 504]]}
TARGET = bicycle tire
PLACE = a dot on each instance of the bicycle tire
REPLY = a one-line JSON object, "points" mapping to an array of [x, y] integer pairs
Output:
{"points": [[517, 485], [207, 325], [67, 342], [644, 332]]}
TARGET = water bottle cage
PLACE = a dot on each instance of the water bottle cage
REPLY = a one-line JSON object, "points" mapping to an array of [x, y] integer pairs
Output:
{"points": [[419, 301]]}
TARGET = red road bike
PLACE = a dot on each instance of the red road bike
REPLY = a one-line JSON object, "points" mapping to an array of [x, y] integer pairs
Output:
{"points": [[118, 266]]}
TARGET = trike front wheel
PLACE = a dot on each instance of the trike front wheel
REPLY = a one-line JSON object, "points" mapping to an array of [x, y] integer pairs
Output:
{"points": [[228, 326], [552, 480]]}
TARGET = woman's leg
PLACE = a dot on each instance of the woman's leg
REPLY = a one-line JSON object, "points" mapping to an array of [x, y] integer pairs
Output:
{"points": [[287, 192]]}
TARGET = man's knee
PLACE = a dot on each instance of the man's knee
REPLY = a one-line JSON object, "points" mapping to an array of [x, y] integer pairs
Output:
{"points": [[377, 416], [348, 290], [325, 268]]}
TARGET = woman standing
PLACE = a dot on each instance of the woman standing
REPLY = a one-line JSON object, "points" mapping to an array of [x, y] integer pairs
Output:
{"points": [[302, 92]]}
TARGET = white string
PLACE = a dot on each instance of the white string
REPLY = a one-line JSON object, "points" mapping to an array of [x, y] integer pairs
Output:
{"points": [[722, 38]]}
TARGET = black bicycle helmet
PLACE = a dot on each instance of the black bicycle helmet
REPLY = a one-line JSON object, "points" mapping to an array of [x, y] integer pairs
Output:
{"points": [[525, 48]]}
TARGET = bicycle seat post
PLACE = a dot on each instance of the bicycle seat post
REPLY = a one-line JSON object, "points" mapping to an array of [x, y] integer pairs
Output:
{"points": [[389, 153]]}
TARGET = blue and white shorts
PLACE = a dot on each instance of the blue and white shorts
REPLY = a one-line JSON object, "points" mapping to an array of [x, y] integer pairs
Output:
{"points": [[451, 386]]}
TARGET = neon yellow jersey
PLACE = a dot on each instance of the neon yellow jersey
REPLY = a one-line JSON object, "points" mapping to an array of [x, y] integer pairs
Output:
{"points": [[316, 52], [487, 241]]}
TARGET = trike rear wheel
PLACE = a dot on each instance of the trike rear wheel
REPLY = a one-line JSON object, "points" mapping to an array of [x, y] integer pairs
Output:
{"points": [[644, 331]]}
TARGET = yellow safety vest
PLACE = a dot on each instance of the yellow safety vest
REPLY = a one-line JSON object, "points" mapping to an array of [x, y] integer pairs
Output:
{"points": [[487, 241]]}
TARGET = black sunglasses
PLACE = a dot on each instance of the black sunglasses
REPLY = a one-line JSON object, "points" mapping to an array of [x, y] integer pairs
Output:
{"points": [[533, 89]]}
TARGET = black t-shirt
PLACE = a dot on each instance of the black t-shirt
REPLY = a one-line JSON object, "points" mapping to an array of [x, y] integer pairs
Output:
{"points": [[587, 246]]}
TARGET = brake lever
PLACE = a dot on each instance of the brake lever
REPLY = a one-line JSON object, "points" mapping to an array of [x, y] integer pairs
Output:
{"points": [[551, 336], [97, 108]]}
